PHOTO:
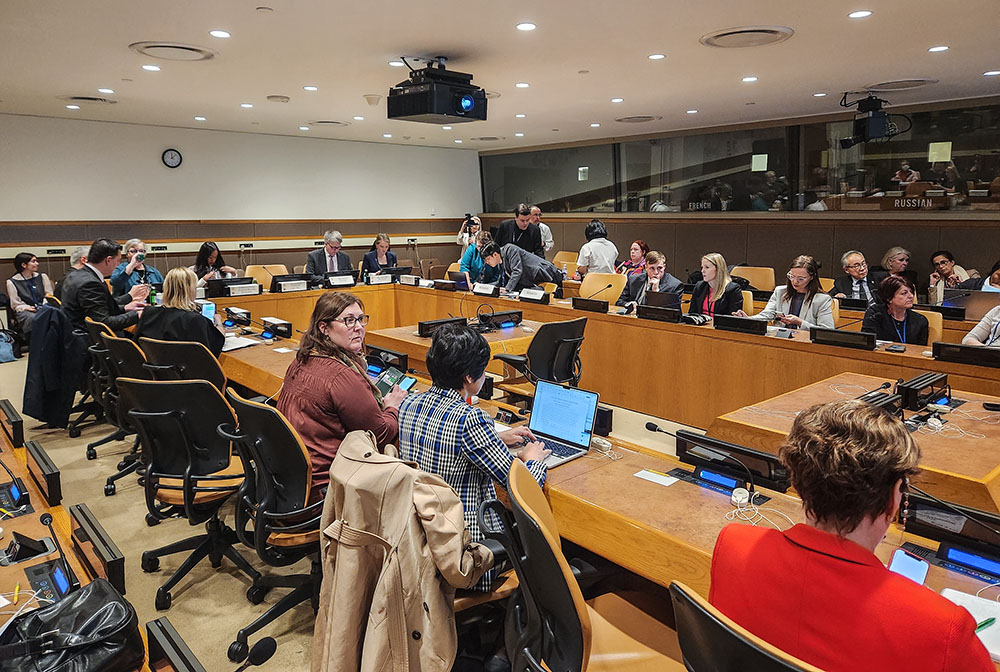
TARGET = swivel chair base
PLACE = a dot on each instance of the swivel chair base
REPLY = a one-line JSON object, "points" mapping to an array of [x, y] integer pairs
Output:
{"points": [[216, 543], [128, 465], [87, 408]]}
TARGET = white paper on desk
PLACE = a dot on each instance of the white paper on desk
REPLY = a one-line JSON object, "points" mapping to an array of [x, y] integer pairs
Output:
{"points": [[656, 478], [3, 601], [283, 350], [237, 342], [981, 609]]}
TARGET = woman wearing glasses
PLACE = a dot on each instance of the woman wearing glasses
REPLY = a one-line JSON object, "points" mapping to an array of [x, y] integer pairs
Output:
{"points": [[327, 392], [800, 303]]}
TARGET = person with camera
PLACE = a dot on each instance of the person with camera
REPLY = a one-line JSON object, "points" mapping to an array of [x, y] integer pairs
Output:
{"points": [[134, 270], [471, 225]]}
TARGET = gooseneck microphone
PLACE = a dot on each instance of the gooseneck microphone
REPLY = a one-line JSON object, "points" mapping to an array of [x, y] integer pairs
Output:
{"points": [[46, 520], [710, 454], [954, 508], [607, 286], [653, 427], [259, 654], [18, 494]]}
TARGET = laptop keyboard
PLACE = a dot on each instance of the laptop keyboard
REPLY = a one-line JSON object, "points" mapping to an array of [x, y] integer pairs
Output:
{"points": [[559, 449]]}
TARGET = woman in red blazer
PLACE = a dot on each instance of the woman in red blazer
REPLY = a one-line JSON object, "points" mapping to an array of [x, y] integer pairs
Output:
{"points": [[817, 590]]}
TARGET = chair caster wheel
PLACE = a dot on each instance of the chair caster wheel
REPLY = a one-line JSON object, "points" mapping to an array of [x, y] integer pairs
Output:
{"points": [[150, 564], [122, 465], [238, 652], [162, 601], [255, 594], [91, 453], [109, 489], [74, 433], [151, 520]]}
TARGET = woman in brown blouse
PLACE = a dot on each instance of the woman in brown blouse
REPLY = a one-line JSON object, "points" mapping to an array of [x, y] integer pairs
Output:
{"points": [[327, 392]]}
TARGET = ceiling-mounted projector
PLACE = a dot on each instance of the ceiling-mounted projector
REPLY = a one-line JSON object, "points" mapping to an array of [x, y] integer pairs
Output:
{"points": [[434, 95]]}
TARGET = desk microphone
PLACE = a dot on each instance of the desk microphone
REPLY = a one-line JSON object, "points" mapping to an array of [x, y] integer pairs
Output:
{"points": [[259, 654], [46, 520], [607, 286], [850, 323], [710, 454], [653, 427], [953, 508], [19, 496]]}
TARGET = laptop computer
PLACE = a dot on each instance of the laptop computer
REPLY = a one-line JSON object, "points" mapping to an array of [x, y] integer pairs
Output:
{"points": [[664, 300], [458, 277], [562, 417], [976, 303]]}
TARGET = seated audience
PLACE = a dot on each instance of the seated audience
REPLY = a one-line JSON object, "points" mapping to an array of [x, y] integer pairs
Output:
{"points": [[77, 259], [716, 293], [895, 262], [800, 303], [830, 601], [653, 279], [379, 257], [598, 254], [472, 263], [946, 275], [859, 283], [85, 293], [904, 175], [987, 332], [134, 270], [446, 436], [636, 262], [27, 289], [894, 319], [519, 269], [209, 264], [179, 318], [521, 232], [467, 232], [329, 257], [327, 392], [543, 229], [990, 284]]}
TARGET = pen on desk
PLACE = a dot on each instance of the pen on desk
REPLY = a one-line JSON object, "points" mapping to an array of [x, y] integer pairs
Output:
{"points": [[5, 512], [658, 473], [979, 626], [17, 591]]}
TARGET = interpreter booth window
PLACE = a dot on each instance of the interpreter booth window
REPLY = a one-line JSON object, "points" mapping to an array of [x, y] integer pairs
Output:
{"points": [[938, 160], [736, 170], [574, 179]]}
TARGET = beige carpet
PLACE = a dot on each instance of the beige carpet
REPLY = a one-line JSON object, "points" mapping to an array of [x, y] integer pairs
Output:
{"points": [[209, 606]]}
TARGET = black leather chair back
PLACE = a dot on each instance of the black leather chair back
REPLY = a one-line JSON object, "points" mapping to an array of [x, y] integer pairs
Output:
{"points": [[182, 360], [125, 358], [99, 376], [554, 353], [711, 642]]}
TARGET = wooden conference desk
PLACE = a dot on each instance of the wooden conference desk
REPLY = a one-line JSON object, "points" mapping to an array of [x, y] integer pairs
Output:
{"points": [[676, 371], [959, 467]]}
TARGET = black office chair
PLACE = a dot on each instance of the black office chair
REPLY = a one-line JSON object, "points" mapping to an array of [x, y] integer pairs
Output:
{"points": [[551, 623], [99, 382], [553, 355], [712, 642], [125, 360], [190, 472], [273, 515], [182, 360]]}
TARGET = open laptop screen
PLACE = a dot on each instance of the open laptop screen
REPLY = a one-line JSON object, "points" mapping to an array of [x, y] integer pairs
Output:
{"points": [[564, 413]]}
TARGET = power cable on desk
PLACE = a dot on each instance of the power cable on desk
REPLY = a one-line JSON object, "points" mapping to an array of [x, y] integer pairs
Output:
{"points": [[740, 513]]}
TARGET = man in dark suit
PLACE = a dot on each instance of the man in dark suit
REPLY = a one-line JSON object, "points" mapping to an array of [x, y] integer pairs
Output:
{"points": [[329, 257], [520, 269], [859, 283], [521, 232], [86, 294], [654, 279]]}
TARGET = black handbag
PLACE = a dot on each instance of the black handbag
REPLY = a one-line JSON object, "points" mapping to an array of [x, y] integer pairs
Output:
{"points": [[93, 629]]}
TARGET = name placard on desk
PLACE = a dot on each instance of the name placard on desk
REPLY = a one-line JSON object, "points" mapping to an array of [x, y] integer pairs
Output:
{"points": [[484, 289], [534, 296]]}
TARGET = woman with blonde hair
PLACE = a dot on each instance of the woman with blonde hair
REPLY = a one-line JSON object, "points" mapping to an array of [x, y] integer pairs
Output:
{"points": [[896, 261], [379, 257], [179, 318], [716, 293], [799, 303]]}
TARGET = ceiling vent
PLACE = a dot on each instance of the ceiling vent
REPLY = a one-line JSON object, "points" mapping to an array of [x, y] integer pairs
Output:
{"points": [[329, 123], [747, 36], [489, 138], [278, 99], [900, 85], [173, 51], [88, 100], [638, 119]]}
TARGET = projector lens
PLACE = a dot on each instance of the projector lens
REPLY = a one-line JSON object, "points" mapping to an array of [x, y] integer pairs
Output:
{"points": [[466, 103]]}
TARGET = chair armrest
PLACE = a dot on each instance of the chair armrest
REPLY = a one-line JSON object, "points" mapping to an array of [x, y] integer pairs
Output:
{"points": [[518, 362], [498, 550]]}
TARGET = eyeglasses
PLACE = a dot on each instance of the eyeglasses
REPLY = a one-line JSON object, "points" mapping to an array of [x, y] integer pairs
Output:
{"points": [[861, 265], [352, 320], [797, 278], [943, 262]]}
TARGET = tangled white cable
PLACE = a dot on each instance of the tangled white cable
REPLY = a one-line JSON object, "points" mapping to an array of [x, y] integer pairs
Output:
{"points": [[751, 513]]}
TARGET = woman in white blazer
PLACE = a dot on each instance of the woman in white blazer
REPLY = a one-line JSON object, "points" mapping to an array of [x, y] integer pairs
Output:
{"points": [[800, 303]]}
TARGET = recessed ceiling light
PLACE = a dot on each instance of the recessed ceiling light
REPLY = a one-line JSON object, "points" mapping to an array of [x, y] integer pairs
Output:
{"points": [[151, 68], [818, 95], [303, 128], [310, 88], [520, 116], [692, 111], [991, 73], [246, 106], [221, 34], [359, 118], [526, 26], [595, 125], [446, 128], [387, 135], [519, 135], [860, 14], [750, 78], [522, 85], [935, 50], [656, 57], [396, 64], [106, 91], [458, 142], [617, 100], [199, 118], [72, 107]]}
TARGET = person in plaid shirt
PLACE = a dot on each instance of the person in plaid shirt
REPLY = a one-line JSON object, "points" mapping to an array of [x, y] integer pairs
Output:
{"points": [[446, 436]]}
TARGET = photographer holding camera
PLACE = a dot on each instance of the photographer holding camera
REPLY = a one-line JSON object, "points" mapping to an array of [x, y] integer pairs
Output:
{"points": [[467, 233]]}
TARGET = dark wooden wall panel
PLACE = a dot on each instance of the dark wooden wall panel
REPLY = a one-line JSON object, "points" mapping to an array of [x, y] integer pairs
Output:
{"points": [[775, 245]]}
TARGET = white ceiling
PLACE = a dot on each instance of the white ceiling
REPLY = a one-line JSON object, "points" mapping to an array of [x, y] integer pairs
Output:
{"points": [[52, 48]]}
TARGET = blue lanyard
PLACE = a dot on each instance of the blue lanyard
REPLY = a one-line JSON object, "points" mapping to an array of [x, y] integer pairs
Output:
{"points": [[902, 336], [994, 334]]}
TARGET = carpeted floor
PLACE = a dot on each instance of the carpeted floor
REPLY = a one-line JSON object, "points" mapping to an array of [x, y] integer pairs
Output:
{"points": [[209, 606]]}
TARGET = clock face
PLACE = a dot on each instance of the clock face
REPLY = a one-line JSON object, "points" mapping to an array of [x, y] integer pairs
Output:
{"points": [[171, 158]]}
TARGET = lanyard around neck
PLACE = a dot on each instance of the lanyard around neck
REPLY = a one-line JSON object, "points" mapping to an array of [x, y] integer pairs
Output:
{"points": [[902, 336]]}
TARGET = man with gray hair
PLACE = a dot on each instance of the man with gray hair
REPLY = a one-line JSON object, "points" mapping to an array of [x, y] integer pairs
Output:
{"points": [[77, 259], [329, 257], [858, 283]]}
